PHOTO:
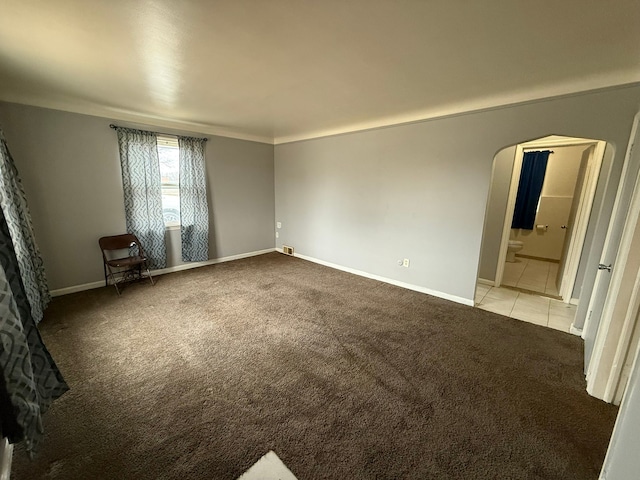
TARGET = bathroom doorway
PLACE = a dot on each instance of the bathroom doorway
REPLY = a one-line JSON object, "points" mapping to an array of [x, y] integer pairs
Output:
{"points": [[547, 256]]}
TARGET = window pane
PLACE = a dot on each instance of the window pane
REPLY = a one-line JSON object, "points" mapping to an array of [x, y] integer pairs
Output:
{"points": [[169, 174]]}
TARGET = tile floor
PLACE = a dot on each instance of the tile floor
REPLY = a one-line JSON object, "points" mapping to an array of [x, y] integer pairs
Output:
{"points": [[530, 274], [531, 308]]}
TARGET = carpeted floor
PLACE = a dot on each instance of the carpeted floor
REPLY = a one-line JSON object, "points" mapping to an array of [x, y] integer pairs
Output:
{"points": [[343, 377]]}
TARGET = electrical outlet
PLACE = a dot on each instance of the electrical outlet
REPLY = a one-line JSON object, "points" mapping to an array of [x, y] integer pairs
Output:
{"points": [[279, 224], [405, 263], [277, 234]]}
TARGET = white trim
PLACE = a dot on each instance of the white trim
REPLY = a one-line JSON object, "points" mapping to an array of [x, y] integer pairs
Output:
{"points": [[6, 455], [590, 183], [165, 140], [190, 265], [162, 271], [619, 421], [508, 216], [602, 376], [600, 372], [484, 281], [558, 142], [593, 84], [76, 288], [574, 301], [500, 101], [614, 213], [575, 331], [379, 278], [579, 230], [629, 323], [136, 119]]}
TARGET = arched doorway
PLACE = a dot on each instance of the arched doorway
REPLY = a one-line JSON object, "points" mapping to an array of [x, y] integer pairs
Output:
{"points": [[548, 262]]}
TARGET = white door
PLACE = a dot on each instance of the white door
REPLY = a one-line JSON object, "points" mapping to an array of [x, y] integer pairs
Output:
{"points": [[622, 460], [594, 313], [569, 227], [611, 245]]}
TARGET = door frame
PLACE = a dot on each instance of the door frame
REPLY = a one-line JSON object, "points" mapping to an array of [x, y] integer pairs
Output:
{"points": [[584, 209], [579, 231], [621, 309]]}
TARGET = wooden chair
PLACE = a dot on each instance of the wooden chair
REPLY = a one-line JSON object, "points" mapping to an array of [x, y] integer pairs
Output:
{"points": [[126, 268]]}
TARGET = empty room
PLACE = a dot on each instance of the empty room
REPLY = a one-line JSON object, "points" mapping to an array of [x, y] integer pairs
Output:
{"points": [[291, 239]]}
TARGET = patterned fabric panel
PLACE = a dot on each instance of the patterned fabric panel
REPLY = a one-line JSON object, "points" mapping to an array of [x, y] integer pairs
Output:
{"points": [[194, 210], [9, 427], [14, 205], [31, 377], [143, 192]]}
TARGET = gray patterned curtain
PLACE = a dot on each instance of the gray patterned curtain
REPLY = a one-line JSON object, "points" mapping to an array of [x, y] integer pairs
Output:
{"points": [[194, 213], [143, 191], [29, 378], [14, 205]]}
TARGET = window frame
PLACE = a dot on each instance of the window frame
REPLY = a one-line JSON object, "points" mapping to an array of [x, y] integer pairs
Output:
{"points": [[168, 141]]}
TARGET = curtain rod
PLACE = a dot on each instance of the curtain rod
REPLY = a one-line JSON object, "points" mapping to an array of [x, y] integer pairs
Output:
{"points": [[111, 125]]}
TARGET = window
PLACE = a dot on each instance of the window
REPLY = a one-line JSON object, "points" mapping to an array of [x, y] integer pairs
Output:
{"points": [[168, 154]]}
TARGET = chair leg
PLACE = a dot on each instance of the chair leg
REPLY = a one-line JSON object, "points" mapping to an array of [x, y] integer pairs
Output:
{"points": [[150, 277], [148, 273], [115, 283]]}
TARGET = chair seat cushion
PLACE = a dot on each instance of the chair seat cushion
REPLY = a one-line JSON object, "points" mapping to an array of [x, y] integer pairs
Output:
{"points": [[127, 261]]}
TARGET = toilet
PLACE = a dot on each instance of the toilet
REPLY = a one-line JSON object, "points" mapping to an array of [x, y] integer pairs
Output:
{"points": [[514, 246]]}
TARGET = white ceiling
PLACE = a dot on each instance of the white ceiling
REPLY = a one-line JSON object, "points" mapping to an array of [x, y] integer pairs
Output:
{"points": [[281, 70]]}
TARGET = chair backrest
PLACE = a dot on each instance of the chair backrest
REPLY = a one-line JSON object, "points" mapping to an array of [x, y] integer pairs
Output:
{"points": [[119, 242]]}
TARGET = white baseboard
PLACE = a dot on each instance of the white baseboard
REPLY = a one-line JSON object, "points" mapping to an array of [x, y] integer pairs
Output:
{"points": [[190, 265], [76, 288], [162, 271], [484, 281], [6, 453], [391, 281], [575, 331], [574, 301]]}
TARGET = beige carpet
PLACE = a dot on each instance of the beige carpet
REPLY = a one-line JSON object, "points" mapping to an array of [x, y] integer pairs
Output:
{"points": [[343, 377]]}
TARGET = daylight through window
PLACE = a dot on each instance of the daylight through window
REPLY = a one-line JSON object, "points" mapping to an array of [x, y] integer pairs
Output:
{"points": [[169, 173]]}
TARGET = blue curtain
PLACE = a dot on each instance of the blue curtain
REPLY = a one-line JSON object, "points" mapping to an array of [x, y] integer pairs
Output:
{"points": [[16, 212], [143, 192], [194, 213], [534, 166], [29, 378]]}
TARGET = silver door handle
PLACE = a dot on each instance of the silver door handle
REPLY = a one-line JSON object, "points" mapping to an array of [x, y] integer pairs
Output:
{"points": [[602, 266]]}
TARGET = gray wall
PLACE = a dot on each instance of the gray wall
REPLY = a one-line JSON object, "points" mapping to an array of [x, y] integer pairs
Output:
{"points": [[419, 191], [496, 211], [70, 170]]}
